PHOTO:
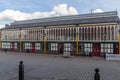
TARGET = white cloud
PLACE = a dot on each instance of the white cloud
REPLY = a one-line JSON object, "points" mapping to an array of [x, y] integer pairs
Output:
{"points": [[63, 9], [2, 26], [58, 10], [98, 11]]}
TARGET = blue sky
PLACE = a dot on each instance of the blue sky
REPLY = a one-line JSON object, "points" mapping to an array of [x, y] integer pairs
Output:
{"points": [[10, 10], [82, 6]]}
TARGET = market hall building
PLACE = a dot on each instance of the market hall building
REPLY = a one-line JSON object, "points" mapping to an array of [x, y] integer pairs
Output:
{"points": [[96, 33]]}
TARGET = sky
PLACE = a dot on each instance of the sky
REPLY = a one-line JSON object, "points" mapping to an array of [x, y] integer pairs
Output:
{"points": [[15, 10]]}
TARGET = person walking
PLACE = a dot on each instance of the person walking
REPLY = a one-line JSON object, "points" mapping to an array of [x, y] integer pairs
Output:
{"points": [[87, 53], [61, 50]]}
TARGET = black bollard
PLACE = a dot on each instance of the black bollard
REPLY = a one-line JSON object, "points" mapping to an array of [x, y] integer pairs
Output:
{"points": [[97, 75], [21, 71]]}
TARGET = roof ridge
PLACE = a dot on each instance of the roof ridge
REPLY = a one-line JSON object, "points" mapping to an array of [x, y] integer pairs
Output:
{"points": [[68, 17]]}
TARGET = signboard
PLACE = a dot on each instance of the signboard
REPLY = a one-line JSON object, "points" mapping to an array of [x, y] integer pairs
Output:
{"points": [[115, 57]]}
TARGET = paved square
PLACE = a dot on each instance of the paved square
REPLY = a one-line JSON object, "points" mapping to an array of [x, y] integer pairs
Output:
{"points": [[55, 67]]}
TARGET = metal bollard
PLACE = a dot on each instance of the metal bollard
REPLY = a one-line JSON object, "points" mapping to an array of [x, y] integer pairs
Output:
{"points": [[21, 71], [97, 75]]}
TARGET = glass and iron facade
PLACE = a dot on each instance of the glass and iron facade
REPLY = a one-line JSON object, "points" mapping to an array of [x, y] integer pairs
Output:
{"points": [[96, 38]]}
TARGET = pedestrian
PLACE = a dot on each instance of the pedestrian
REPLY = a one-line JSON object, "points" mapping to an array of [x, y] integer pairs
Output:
{"points": [[6, 49], [61, 50], [87, 53]]}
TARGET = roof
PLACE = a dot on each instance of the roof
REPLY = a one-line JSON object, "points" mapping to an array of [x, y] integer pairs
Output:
{"points": [[68, 20]]}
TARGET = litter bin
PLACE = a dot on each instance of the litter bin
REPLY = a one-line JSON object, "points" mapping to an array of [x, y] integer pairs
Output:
{"points": [[27, 50]]}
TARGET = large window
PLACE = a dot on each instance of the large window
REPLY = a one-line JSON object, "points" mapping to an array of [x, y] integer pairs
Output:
{"points": [[81, 47], [67, 47], [37, 46], [88, 47], [10, 35], [27, 46], [107, 48], [54, 46], [15, 46], [6, 45]]}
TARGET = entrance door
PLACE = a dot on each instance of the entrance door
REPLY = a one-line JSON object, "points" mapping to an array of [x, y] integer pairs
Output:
{"points": [[60, 48], [12, 46], [96, 49], [33, 47], [116, 50]]}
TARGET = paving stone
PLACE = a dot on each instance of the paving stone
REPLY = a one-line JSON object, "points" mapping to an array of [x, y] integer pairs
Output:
{"points": [[55, 67]]}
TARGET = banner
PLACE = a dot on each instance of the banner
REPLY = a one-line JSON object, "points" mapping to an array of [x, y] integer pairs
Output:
{"points": [[115, 57]]}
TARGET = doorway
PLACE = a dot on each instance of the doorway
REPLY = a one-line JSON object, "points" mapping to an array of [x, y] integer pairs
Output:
{"points": [[12, 46], [61, 48], [33, 47], [96, 49]]}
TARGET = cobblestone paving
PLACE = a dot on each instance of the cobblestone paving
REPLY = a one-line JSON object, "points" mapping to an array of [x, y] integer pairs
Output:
{"points": [[55, 67]]}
